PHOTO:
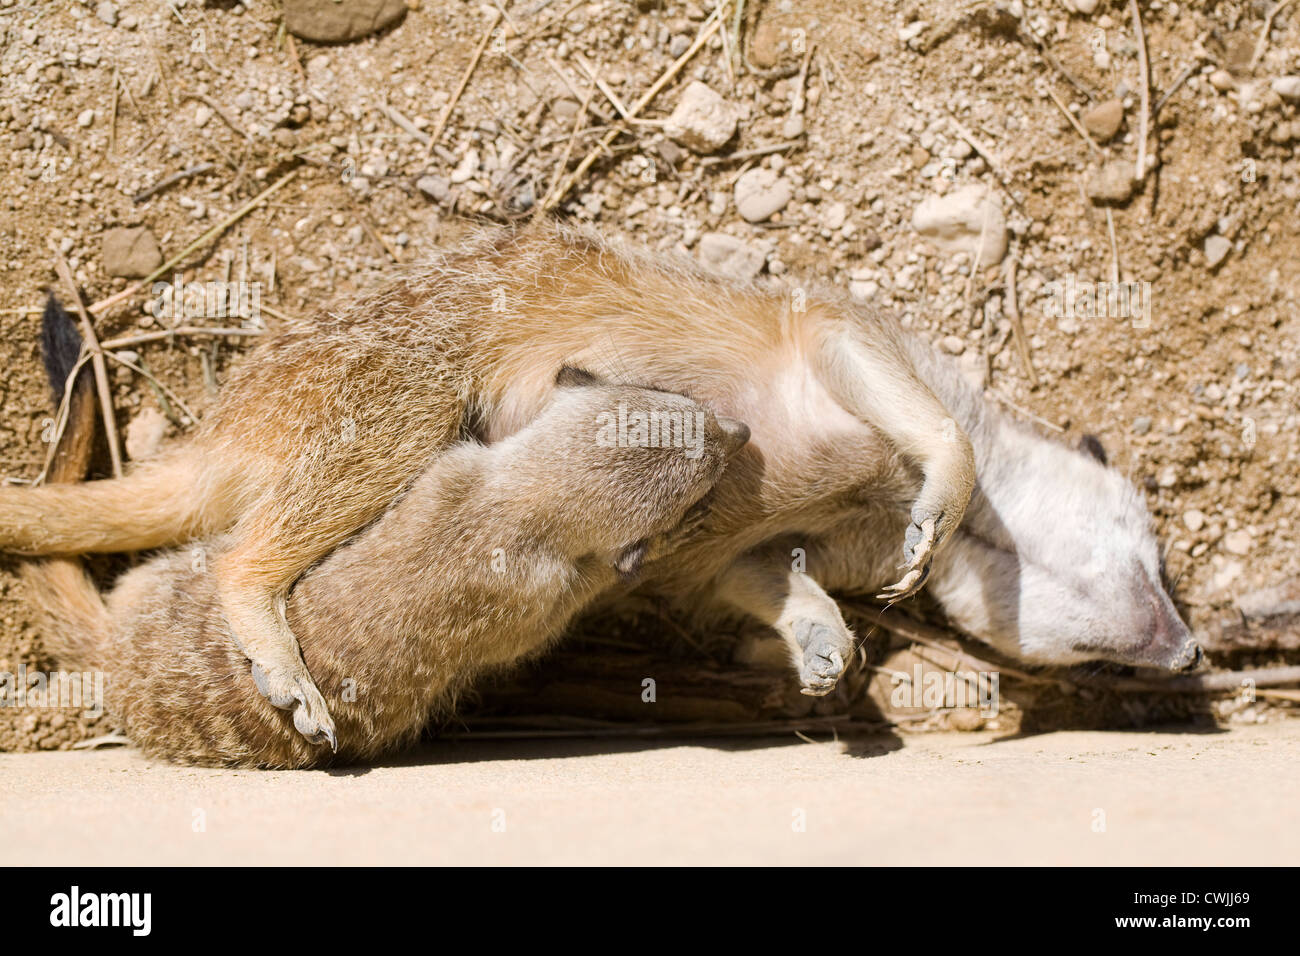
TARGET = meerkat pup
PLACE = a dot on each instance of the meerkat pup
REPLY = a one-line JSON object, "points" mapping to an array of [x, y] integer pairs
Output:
{"points": [[479, 564]]}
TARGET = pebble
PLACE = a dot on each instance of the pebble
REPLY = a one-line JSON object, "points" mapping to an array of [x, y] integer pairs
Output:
{"points": [[1194, 519], [1288, 87], [132, 253], [1112, 183], [864, 290], [1141, 425], [1229, 572], [435, 187], [954, 222], [1086, 7], [834, 216], [328, 21], [466, 168], [952, 344], [1222, 81], [1103, 120], [1237, 542], [85, 118], [1216, 250], [144, 433], [703, 121], [107, 12], [760, 193], [730, 256]]}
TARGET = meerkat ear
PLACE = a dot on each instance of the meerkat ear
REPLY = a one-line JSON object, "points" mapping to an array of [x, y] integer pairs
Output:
{"points": [[1091, 445], [629, 561], [570, 376]]}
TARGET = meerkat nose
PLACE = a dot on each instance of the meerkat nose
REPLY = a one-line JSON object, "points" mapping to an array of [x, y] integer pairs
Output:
{"points": [[735, 432]]}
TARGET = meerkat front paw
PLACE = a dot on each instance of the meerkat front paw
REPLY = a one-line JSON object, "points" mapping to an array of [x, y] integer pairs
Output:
{"points": [[824, 646], [935, 516], [919, 544], [291, 688]]}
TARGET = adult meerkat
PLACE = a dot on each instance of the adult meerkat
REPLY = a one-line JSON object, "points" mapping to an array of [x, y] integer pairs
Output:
{"points": [[479, 564], [326, 423]]}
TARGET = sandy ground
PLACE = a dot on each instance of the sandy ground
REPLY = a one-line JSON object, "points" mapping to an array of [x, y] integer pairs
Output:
{"points": [[1219, 797]]}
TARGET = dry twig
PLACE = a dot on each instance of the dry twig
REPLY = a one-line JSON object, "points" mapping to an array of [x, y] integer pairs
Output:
{"points": [[1262, 43], [97, 362], [707, 29], [1017, 326], [464, 81]]}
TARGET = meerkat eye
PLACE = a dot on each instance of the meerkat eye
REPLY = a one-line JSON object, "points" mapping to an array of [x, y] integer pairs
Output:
{"points": [[629, 561], [570, 376]]}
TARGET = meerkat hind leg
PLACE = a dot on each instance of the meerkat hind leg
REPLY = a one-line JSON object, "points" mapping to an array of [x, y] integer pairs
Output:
{"points": [[791, 603], [875, 380], [254, 605]]}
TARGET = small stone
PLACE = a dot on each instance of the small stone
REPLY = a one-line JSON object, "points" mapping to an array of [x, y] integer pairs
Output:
{"points": [[1112, 183], [1237, 542], [467, 167], [1141, 425], [864, 290], [834, 216], [144, 433], [953, 344], [1288, 87], [760, 193], [1168, 477], [955, 221], [728, 255], [910, 32], [434, 187], [1222, 81], [703, 120], [329, 21], [766, 45], [107, 12], [202, 114], [678, 45], [565, 109], [1194, 519], [131, 253], [1103, 120], [670, 152], [965, 719], [85, 118], [1216, 250], [1086, 7]]}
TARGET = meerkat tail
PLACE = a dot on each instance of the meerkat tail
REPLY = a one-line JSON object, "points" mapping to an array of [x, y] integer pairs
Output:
{"points": [[75, 621], [153, 506]]}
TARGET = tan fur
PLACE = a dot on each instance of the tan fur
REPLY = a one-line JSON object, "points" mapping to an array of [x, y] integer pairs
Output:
{"points": [[327, 422], [479, 564]]}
